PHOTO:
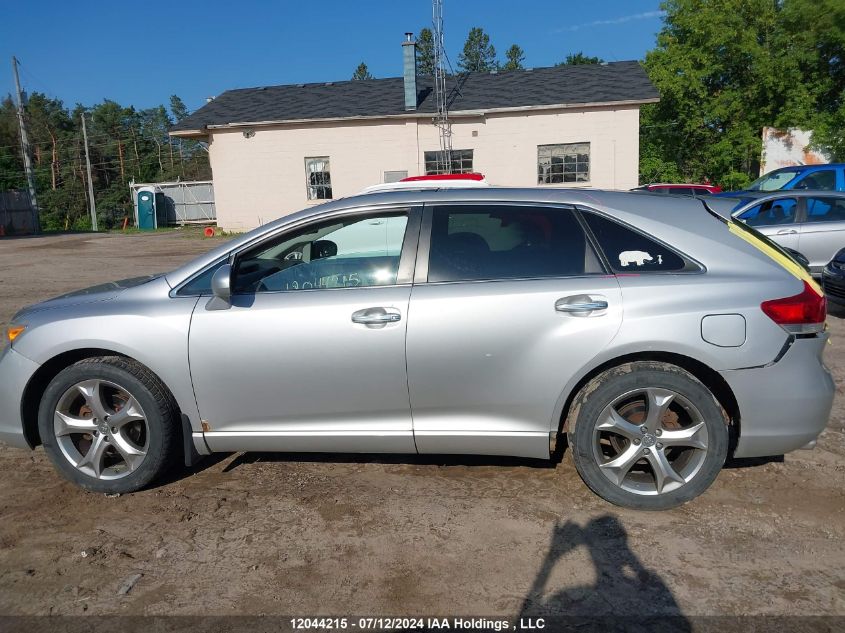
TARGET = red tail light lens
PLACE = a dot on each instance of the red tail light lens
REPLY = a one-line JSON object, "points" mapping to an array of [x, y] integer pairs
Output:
{"points": [[803, 309]]}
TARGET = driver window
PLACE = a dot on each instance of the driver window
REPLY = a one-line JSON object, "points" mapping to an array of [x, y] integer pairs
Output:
{"points": [[349, 252]]}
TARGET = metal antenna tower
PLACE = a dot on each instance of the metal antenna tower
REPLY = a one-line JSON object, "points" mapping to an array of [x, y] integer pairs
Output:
{"points": [[442, 119]]}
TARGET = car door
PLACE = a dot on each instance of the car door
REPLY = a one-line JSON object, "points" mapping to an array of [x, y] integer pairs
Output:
{"points": [[509, 302], [822, 232], [775, 218], [310, 353]]}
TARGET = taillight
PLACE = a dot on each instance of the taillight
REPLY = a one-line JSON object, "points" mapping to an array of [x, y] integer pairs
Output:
{"points": [[804, 312]]}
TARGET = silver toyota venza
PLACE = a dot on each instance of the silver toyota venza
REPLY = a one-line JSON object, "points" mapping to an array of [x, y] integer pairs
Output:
{"points": [[656, 336]]}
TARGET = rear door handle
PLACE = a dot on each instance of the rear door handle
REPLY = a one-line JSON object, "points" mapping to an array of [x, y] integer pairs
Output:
{"points": [[787, 232], [375, 316], [581, 305]]}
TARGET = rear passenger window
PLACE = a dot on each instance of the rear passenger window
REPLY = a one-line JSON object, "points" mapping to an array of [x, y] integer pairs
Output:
{"points": [[502, 242], [825, 209], [630, 251]]}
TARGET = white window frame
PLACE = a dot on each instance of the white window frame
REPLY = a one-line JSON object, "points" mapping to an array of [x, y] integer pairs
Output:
{"points": [[547, 153], [460, 164], [315, 165]]}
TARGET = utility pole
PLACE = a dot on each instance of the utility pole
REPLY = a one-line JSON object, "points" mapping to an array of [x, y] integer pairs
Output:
{"points": [[92, 206], [27, 163]]}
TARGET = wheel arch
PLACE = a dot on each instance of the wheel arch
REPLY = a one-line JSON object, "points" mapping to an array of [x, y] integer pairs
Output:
{"points": [[709, 377], [49, 370]]}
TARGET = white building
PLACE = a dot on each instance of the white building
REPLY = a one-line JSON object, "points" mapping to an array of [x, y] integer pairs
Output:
{"points": [[277, 149]]}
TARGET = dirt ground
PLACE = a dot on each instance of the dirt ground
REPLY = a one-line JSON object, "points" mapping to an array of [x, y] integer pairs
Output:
{"points": [[304, 535]]}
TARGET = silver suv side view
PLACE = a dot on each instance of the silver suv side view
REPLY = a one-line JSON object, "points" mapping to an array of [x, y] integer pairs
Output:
{"points": [[656, 337]]}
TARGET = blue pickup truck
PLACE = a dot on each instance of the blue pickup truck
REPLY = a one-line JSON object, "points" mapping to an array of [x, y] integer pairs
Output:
{"points": [[827, 177]]}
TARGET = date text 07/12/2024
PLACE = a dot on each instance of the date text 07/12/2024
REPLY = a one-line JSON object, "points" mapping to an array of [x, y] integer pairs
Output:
{"points": [[410, 623]]}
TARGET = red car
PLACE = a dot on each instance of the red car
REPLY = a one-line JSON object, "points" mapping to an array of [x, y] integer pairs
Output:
{"points": [[680, 189]]}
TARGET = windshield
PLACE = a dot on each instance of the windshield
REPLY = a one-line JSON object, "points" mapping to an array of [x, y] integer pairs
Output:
{"points": [[774, 180]]}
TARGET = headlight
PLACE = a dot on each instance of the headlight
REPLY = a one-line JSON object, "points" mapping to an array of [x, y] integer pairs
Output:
{"points": [[14, 331]]}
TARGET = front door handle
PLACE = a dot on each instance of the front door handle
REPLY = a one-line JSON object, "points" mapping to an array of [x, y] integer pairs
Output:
{"points": [[581, 305], [375, 316], [787, 232]]}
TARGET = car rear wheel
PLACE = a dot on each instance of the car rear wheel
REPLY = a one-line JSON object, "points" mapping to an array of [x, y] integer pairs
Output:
{"points": [[107, 424], [647, 436]]}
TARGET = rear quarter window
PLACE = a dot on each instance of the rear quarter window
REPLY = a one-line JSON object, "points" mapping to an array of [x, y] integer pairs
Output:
{"points": [[629, 251]]}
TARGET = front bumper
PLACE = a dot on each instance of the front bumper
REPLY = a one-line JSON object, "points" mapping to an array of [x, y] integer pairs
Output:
{"points": [[15, 372], [784, 406]]}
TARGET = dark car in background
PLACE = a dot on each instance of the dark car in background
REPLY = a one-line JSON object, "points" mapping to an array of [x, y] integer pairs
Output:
{"points": [[680, 189], [833, 279]]}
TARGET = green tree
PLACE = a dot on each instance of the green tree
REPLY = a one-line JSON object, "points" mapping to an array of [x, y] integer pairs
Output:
{"points": [[575, 59], [154, 124], [178, 108], [362, 72], [425, 53], [11, 162], [48, 119], [725, 69], [478, 55], [515, 56], [124, 144], [812, 39]]}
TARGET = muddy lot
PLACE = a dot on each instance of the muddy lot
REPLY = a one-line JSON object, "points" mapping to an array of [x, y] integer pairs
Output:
{"points": [[280, 534]]}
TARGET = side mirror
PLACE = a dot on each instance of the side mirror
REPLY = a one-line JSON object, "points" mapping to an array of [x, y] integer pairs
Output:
{"points": [[221, 282]]}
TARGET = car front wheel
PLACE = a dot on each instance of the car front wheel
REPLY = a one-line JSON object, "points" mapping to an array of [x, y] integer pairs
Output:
{"points": [[108, 424], [647, 435]]}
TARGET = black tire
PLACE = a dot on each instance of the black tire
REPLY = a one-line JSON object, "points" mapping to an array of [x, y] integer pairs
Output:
{"points": [[605, 389], [162, 433]]}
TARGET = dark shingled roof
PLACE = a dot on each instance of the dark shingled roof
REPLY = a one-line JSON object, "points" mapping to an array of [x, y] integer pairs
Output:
{"points": [[559, 85]]}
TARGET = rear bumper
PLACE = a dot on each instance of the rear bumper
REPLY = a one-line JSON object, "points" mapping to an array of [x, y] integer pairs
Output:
{"points": [[784, 406], [15, 372]]}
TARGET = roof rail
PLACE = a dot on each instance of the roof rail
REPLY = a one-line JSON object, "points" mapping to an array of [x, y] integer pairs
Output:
{"points": [[433, 181]]}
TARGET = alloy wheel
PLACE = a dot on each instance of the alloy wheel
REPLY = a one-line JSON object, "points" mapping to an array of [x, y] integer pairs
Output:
{"points": [[101, 429], [650, 441]]}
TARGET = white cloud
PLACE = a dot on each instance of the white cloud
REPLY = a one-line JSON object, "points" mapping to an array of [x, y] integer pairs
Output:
{"points": [[620, 20]]}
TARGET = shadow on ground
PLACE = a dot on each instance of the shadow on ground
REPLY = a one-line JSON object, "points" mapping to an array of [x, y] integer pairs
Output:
{"points": [[625, 591]]}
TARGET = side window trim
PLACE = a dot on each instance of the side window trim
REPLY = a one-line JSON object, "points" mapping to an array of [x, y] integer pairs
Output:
{"points": [[693, 266], [802, 211], [424, 246]]}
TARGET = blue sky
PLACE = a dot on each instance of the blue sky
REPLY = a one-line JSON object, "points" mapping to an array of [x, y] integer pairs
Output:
{"points": [[141, 53]]}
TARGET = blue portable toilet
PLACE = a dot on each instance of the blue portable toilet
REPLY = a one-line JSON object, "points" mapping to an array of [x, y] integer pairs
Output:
{"points": [[146, 209]]}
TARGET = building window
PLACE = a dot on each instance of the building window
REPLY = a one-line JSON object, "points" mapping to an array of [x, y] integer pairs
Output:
{"points": [[568, 162], [435, 162], [318, 178], [395, 176]]}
